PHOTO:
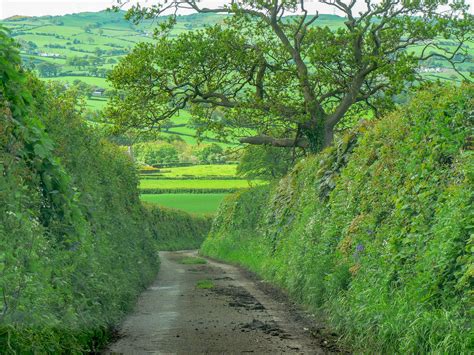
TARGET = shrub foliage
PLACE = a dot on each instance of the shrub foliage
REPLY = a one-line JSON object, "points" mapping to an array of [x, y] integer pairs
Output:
{"points": [[375, 232], [177, 230]]}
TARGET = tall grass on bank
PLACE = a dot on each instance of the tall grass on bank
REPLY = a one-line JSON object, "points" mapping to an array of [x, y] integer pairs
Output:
{"points": [[375, 232]]}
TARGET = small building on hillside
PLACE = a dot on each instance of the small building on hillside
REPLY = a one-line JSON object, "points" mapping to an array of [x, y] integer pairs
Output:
{"points": [[50, 55], [98, 92]]}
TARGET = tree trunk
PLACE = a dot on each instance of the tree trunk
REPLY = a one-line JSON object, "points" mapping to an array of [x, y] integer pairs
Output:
{"points": [[328, 136], [319, 133], [314, 137]]}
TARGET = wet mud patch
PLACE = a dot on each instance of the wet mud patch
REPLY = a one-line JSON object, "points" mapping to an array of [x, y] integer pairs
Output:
{"points": [[225, 278], [240, 297], [202, 269], [324, 337], [265, 327]]}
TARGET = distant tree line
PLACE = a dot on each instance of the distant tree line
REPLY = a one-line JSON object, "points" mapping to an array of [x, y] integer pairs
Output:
{"points": [[177, 151]]}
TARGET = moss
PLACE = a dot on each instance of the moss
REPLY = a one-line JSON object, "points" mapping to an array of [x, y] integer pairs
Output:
{"points": [[205, 284]]}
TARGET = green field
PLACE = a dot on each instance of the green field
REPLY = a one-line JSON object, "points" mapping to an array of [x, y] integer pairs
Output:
{"points": [[90, 80], [195, 189], [193, 203], [96, 103]]}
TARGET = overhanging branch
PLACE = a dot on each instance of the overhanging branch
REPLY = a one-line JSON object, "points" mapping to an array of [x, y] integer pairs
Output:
{"points": [[276, 142]]}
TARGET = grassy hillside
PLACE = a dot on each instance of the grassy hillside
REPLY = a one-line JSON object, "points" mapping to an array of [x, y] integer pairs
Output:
{"points": [[99, 38], [375, 233], [85, 46]]}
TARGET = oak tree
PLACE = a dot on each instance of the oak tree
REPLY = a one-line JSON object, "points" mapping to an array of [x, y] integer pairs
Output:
{"points": [[271, 74]]}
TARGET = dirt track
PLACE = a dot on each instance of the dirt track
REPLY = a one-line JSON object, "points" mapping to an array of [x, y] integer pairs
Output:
{"points": [[237, 315]]}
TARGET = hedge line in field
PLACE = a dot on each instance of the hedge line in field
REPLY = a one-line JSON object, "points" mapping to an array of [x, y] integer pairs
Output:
{"points": [[188, 177], [175, 229], [187, 191]]}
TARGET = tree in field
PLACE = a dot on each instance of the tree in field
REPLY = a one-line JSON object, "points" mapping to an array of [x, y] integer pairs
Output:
{"points": [[79, 62], [83, 88], [156, 153], [211, 154], [46, 69], [285, 81]]}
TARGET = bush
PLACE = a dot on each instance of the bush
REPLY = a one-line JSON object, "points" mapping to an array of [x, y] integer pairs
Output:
{"points": [[177, 230], [154, 153], [375, 232], [265, 162], [211, 154]]}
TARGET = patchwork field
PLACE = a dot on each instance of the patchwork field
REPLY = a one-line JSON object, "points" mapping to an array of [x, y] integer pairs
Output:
{"points": [[85, 47], [195, 189]]}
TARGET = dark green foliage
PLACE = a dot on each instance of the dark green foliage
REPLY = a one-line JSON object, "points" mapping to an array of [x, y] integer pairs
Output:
{"points": [[376, 234], [265, 162], [175, 229], [156, 153], [211, 154]]}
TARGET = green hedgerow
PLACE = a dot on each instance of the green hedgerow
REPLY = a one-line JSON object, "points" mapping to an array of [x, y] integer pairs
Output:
{"points": [[374, 232]]}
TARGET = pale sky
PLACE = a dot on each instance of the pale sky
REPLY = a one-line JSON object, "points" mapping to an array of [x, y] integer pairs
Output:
{"points": [[60, 7]]}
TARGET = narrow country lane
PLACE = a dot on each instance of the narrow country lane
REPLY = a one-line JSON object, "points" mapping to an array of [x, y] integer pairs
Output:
{"points": [[234, 316]]}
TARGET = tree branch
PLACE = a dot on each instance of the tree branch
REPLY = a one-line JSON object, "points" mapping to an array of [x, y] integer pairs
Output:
{"points": [[276, 142]]}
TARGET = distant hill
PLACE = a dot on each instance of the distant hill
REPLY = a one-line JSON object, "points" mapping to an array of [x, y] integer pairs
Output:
{"points": [[85, 46], [16, 18]]}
